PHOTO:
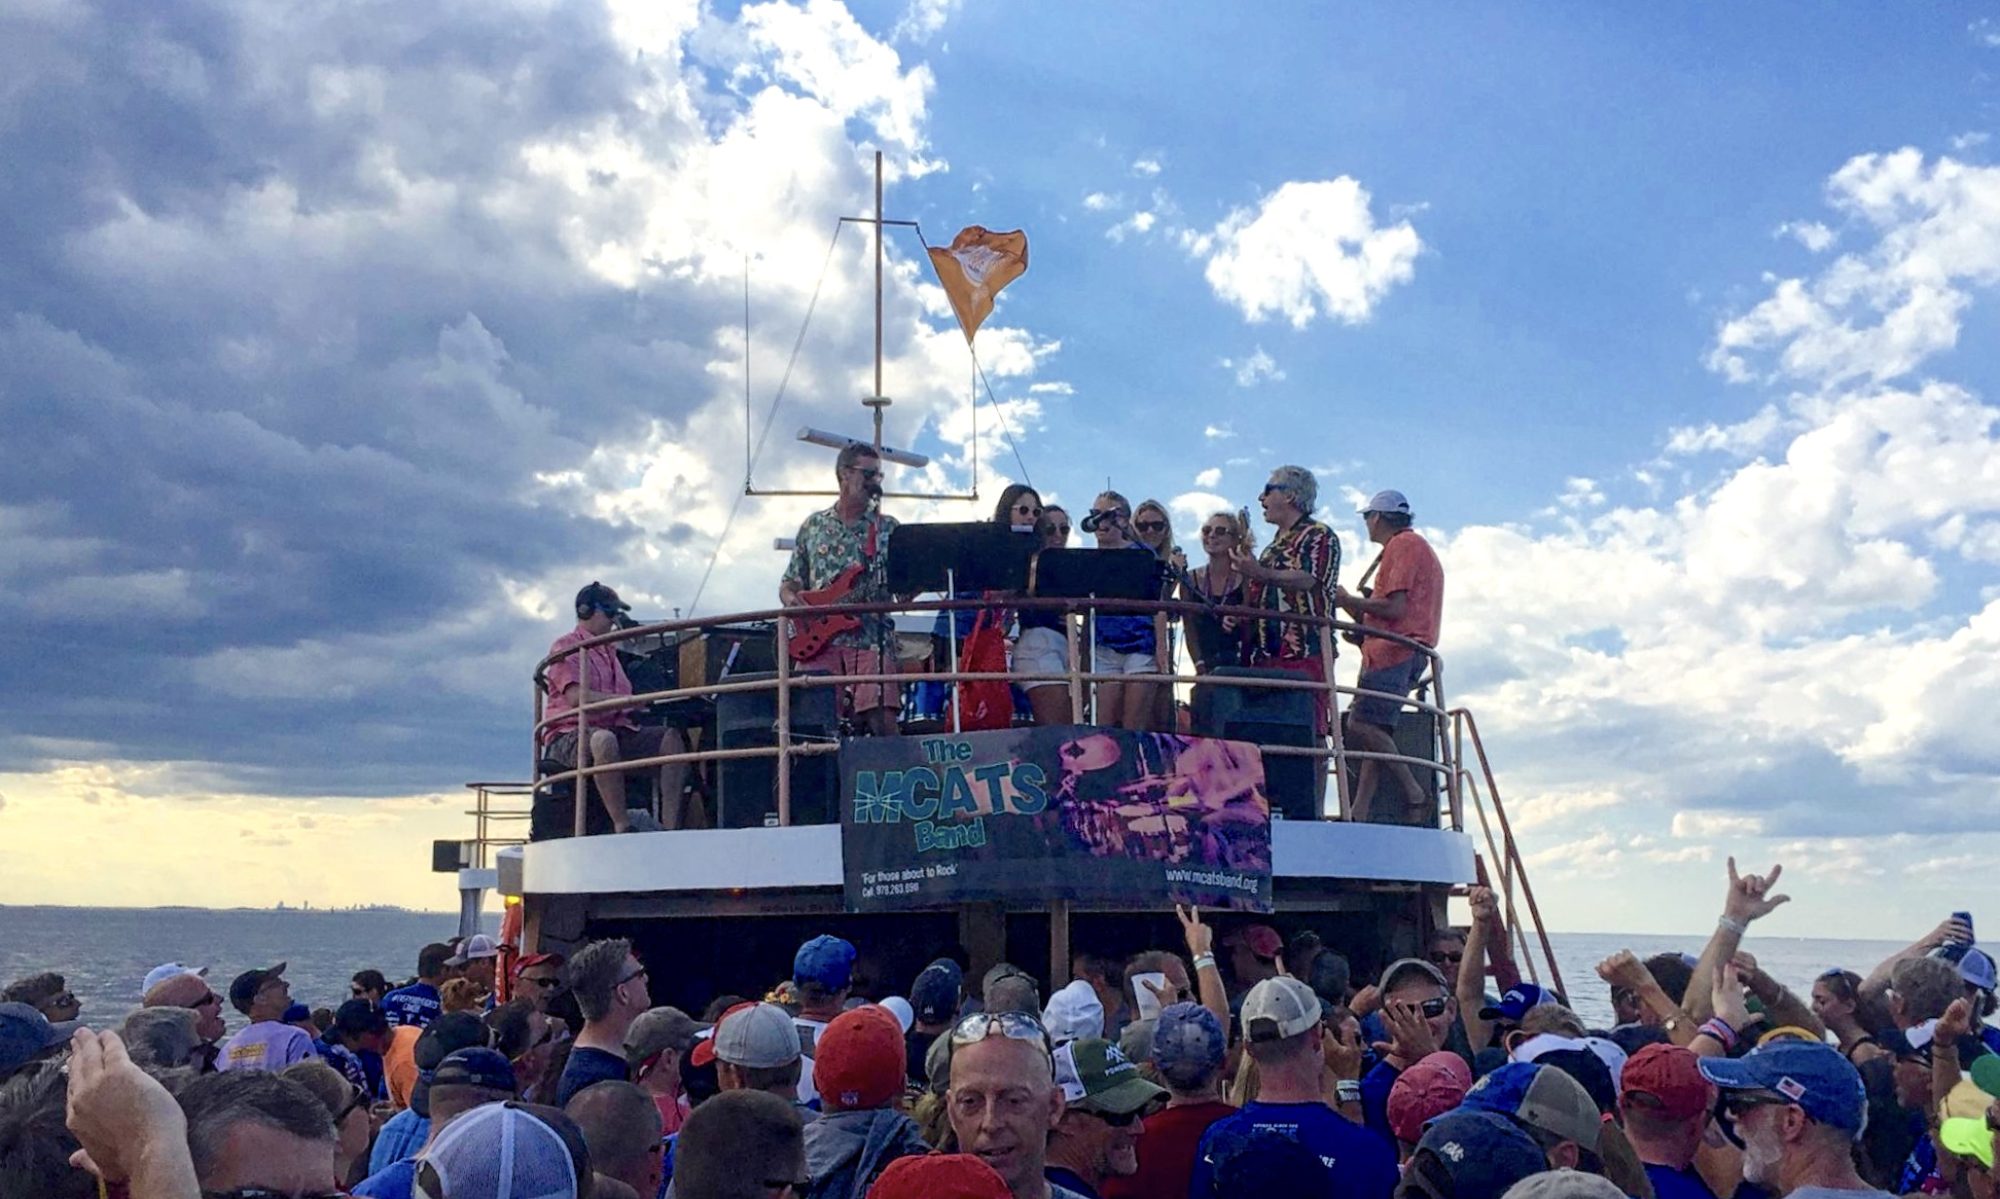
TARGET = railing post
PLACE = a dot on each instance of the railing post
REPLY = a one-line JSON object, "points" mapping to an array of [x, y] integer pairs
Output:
{"points": [[1342, 799], [1075, 667], [1443, 738], [581, 791], [785, 723]]}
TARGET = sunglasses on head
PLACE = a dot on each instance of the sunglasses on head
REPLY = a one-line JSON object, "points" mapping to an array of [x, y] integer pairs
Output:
{"points": [[1015, 1026], [1150, 526]]}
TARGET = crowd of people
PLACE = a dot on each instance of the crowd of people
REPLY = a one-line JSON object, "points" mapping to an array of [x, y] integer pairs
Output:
{"points": [[840, 555], [1246, 1068]]}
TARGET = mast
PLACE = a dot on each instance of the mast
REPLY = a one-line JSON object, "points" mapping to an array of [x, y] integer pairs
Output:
{"points": [[877, 402]]}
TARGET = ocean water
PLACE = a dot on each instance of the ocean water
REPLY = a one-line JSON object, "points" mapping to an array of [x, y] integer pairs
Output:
{"points": [[105, 952]]}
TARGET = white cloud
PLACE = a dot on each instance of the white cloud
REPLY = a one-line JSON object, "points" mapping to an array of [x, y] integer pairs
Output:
{"points": [[1148, 166], [922, 20], [1308, 249], [1579, 493], [1193, 507], [1209, 479], [1217, 432], [1740, 439], [1813, 235], [1876, 315], [1969, 140], [1985, 31], [1715, 824], [1259, 367], [1137, 223], [1052, 387], [1101, 202]]}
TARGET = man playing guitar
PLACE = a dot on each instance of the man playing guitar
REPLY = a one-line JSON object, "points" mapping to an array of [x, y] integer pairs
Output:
{"points": [[838, 557]]}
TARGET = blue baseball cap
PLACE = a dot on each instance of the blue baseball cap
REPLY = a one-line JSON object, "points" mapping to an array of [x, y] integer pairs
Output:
{"points": [[1187, 1043], [1825, 1085], [296, 1013], [1516, 1002], [1976, 968], [26, 1034], [934, 996], [1482, 1154], [488, 1068], [826, 960]]}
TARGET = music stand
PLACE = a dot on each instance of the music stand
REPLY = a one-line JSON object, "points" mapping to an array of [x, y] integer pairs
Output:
{"points": [[954, 557], [1096, 574]]}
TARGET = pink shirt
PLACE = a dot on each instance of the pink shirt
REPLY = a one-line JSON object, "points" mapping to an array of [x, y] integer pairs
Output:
{"points": [[607, 677]]}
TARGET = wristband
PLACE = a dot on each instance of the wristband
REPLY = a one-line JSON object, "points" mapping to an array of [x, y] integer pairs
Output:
{"points": [[1204, 961], [1716, 1027], [1347, 1090], [1735, 926]]}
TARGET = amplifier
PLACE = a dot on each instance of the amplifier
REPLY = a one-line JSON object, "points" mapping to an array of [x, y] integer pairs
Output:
{"points": [[736, 649]]}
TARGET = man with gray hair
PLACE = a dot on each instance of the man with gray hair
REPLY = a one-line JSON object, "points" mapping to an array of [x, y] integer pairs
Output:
{"points": [[611, 991], [253, 1130], [1408, 601], [162, 1038], [1294, 576], [851, 535]]}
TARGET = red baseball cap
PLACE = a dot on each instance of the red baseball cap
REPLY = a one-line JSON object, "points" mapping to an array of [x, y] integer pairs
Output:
{"points": [[860, 1059], [1263, 940], [536, 959], [1430, 1088], [1666, 1079], [940, 1176]]}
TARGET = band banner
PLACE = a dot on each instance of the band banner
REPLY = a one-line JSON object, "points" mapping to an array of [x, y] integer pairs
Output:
{"points": [[1064, 812]]}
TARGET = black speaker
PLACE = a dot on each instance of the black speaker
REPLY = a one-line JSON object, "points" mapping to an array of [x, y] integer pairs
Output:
{"points": [[1295, 785], [746, 788], [448, 857]]}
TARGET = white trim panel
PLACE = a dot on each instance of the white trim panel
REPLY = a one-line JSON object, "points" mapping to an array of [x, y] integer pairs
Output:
{"points": [[809, 856]]}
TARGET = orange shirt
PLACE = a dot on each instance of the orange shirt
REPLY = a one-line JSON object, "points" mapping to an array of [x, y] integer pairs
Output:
{"points": [[399, 1063], [1408, 564]]}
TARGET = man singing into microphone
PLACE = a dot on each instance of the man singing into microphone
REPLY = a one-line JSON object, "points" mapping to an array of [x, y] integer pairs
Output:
{"points": [[851, 533]]}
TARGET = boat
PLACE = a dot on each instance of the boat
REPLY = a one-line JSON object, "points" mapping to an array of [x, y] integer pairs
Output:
{"points": [[720, 911]]}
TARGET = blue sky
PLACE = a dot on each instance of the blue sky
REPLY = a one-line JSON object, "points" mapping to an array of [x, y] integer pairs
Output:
{"points": [[337, 348]]}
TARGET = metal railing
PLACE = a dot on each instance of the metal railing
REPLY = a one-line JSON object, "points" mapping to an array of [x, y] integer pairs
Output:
{"points": [[1505, 853], [497, 804], [1332, 753]]}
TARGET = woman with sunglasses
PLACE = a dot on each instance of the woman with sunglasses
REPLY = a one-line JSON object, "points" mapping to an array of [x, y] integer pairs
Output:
{"points": [[1020, 507], [1043, 644], [1839, 1004], [1122, 642], [1216, 582]]}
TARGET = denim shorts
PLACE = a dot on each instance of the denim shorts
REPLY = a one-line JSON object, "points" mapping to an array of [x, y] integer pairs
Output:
{"points": [[1396, 680]]}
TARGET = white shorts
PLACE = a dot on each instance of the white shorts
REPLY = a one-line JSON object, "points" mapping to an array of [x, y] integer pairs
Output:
{"points": [[1111, 661], [1040, 651]]}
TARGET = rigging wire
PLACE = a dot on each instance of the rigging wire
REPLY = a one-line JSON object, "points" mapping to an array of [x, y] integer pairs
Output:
{"points": [[770, 413]]}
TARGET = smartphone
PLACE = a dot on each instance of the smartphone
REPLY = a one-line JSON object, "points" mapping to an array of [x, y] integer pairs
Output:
{"points": [[1148, 1004]]}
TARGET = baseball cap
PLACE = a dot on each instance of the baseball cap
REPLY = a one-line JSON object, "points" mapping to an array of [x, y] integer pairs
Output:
{"points": [[940, 1176], [755, 1035], [1278, 1008], [899, 1007], [1403, 966], [522, 965], [1985, 1072], [1968, 1137], [1515, 1003], [1473, 1154], [934, 996], [1073, 1012], [446, 1035], [165, 971], [247, 984], [1544, 1046], [476, 946], [658, 1029], [1541, 1097], [826, 960], [1565, 1184], [507, 1151], [358, 1017], [597, 595], [25, 1034], [1965, 1099], [1188, 1043], [296, 1013], [1263, 940], [1815, 1077], [1976, 968], [1096, 1077], [860, 1059], [1387, 501], [477, 1067], [1432, 1086], [1666, 1079]]}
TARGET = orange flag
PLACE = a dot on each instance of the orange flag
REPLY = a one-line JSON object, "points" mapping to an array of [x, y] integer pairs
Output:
{"points": [[974, 268]]}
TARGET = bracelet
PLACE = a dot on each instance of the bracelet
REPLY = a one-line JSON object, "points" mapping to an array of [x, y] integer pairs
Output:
{"points": [[1735, 926], [1716, 1027], [1347, 1090], [1204, 961]]}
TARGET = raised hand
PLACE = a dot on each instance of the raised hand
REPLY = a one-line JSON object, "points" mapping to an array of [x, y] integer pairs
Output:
{"points": [[1200, 937], [1955, 1023], [1727, 997], [119, 1113], [1624, 970], [1749, 895], [1485, 905], [1950, 931], [1366, 1000], [1341, 1051], [1410, 1036]]}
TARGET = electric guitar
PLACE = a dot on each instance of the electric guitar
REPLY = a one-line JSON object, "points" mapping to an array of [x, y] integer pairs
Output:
{"points": [[811, 635]]}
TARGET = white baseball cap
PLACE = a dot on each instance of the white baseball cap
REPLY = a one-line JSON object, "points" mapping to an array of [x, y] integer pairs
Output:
{"points": [[1387, 501], [1278, 1008], [165, 971], [476, 946]]}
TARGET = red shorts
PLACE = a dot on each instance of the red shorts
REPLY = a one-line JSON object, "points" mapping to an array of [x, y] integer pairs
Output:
{"points": [[845, 660]]}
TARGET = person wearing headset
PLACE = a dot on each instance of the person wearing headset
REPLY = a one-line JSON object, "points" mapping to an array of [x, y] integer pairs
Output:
{"points": [[614, 735]]}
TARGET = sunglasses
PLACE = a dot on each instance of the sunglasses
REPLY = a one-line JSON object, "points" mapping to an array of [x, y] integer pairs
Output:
{"points": [[1150, 526], [1218, 531], [1433, 1007], [1271, 487], [1030, 509], [540, 980], [1733, 1107], [1442, 956], [1114, 1119], [205, 1001], [1060, 530], [356, 1098], [868, 475], [1015, 1026]]}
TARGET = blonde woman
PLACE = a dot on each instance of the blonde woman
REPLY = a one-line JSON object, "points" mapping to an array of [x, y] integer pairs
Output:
{"points": [[1122, 642], [1216, 582]]}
